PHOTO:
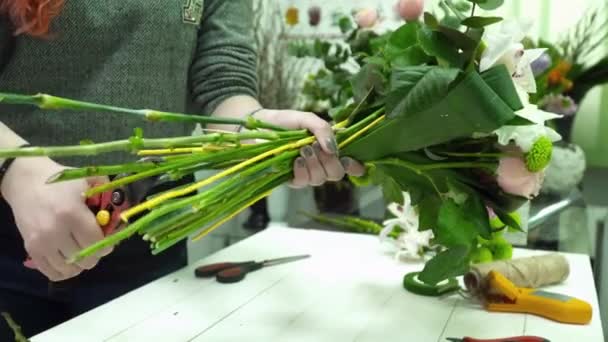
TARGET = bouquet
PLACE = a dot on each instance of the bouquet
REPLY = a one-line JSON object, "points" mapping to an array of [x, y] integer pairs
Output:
{"points": [[440, 115]]}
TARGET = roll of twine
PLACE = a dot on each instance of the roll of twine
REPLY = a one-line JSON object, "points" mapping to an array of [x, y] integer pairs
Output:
{"points": [[529, 272]]}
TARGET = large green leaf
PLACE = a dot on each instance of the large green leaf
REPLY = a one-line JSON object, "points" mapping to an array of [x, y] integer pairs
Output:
{"points": [[503, 86], [471, 106], [414, 89], [453, 262], [436, 44]]}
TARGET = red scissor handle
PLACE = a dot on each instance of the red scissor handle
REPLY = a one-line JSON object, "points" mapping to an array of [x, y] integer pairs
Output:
{"points": [[507, 339], [111, 203]]}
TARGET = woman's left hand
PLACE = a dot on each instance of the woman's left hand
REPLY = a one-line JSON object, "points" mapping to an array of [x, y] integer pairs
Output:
{"points": [[320, 162]]}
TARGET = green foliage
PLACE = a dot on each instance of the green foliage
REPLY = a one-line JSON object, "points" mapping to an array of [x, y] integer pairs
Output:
{"points": [[452, 262], [488, 4], [436, 44], [479, 22], [414, 89], [471, 100]]}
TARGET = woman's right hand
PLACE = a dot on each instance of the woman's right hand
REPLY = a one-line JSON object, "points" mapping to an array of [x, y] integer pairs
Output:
{"points": [[53, 219]]}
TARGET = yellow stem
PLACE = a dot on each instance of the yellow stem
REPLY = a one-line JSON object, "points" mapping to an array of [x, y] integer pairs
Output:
{"points": [[228, 218], [182, 192], [361, 131], [178, 150]]}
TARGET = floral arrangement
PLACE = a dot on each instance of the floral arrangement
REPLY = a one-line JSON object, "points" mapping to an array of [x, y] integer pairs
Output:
{"points": [[438, 109], [572, 66]]}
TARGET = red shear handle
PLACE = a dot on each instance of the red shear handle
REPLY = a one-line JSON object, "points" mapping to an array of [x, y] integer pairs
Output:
{"points": [[506, 339]]}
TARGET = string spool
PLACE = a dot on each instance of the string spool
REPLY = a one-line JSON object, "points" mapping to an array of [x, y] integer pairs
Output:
{"points": [[529, 272]]}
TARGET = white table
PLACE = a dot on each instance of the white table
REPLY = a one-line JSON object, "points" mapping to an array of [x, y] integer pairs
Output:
{"points": [[349, 290]]}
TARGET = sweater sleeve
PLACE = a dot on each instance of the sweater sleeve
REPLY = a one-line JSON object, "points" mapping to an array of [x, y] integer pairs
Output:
{"points": [[224, 62]]}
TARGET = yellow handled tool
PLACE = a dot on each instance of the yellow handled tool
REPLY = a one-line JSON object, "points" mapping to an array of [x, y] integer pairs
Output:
{"points": [[550, 305]]}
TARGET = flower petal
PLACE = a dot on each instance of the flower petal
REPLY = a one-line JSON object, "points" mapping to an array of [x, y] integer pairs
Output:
{"points": [[538, 116], [525, 136]]}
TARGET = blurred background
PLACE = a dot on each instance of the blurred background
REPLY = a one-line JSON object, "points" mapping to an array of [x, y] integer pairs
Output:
{"points": [[570, 215]]}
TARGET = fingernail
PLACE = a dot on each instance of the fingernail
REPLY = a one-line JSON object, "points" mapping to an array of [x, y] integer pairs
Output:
{"points": [[332, 145], [345, 162], [316, 147], [308, 151], [300, 162]]}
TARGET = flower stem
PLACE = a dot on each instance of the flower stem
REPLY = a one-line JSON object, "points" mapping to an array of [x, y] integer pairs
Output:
{"points": [[132, 146], [149, 204], [44, 101]]}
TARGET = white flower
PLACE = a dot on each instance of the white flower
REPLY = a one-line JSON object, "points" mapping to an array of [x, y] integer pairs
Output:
{"points": [[503, 46], [411, 244], [405, 214], [525, 136]]}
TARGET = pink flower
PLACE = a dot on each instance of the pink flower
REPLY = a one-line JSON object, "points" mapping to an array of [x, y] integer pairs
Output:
{"points": [[410, 10], [366, 18], [514, 178]]}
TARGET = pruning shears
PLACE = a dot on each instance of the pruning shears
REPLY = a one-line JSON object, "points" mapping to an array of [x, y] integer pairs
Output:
{"points": [[109, 205], [507, 339]]}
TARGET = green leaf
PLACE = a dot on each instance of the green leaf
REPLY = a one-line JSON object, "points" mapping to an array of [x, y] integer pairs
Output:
{"points": [[412, 56], [369, 77], [415, 89], [436, 44], [507, 219], [450, 263], [499, 79], [391, 191], [470, 106], [454, 226], [408, 181], [479, 22], [478, 216], [488, 5], [459, 39], [345, 24], [402, 39], [430, 20], [428, 210]]}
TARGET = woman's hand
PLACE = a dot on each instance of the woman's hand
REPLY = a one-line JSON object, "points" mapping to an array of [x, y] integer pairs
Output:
{"points": [[320, 162], [53, 219]]}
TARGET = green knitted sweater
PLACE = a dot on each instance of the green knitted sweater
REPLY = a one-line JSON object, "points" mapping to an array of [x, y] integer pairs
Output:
{"points": [[173, 55]]}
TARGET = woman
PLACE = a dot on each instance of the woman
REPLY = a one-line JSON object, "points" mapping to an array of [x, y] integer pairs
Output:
{"points": [[181, 55]]}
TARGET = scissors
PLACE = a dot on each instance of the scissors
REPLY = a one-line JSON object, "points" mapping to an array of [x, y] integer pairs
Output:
{"points": [[109, 205], [232, 272], [508, 339]]}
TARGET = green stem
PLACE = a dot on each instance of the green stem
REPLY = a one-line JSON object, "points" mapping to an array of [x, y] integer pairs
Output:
{"points": [[107, 170], [357, 126], [223, 212], [45, 101], [474, 155], [132, 146], [19, 337], [150, 217], [435, 166]]}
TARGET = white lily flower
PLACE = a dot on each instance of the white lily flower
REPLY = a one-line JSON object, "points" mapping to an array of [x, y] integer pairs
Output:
{"points": [[504, 46], [405, 214], [525, 136], [411, 244]]}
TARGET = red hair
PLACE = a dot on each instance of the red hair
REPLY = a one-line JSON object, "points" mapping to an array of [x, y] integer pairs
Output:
{"points": [[31, 17]]}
